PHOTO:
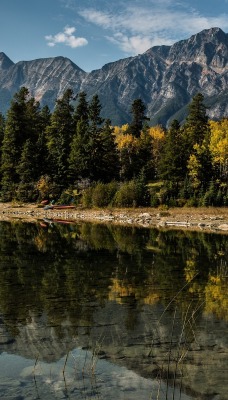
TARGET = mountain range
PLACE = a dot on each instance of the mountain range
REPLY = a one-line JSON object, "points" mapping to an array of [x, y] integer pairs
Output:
{"points": [[164, 77]]}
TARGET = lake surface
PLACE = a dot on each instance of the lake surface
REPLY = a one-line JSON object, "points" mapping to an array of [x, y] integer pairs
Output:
{"points": [[90, 311]]}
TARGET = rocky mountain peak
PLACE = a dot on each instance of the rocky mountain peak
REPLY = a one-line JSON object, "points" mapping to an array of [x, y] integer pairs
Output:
{"points": [[5, 61], [164, 77], [201, 47]]}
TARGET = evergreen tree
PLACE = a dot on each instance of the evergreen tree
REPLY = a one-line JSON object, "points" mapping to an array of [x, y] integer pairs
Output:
{"points": [[79, 158], [41, 144], [59, 136], [94, 113], [108, 167], [138, 109], [172, 164], [196, 127], [82, 109], [196, 140], [21, 124], [95, 142], [27, 167], [93, 152], [44, 118], [2, 131], [27, 171]]}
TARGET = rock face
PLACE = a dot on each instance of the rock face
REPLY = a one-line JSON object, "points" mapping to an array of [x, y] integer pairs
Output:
{"points": [[164, 77]]}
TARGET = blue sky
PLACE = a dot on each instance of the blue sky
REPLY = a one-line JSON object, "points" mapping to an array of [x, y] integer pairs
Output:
{"points": [[95, 32]]}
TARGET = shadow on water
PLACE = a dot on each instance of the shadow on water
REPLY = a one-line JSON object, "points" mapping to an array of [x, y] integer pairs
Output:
{"points": [[108, 311]]}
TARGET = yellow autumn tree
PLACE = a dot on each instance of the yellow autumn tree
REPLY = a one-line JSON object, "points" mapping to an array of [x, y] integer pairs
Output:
{"points": [[135, 152], [199, 164], [219, 147], [157, 133]]}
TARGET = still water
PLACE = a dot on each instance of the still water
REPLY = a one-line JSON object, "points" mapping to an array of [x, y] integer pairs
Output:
{"points": [[90, 311]]}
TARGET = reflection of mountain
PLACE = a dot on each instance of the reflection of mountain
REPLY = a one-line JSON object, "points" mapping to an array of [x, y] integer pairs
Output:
{"points": [[144, 349]]}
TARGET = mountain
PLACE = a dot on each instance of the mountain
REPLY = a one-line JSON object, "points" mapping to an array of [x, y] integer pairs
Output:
{"points": [[164, 77]]}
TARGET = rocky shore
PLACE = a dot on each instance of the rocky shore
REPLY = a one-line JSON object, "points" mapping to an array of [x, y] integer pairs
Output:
{"points": [[210, 219]]}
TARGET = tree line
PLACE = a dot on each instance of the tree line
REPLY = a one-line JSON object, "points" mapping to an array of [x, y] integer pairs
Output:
{"points": [[74, 155]]}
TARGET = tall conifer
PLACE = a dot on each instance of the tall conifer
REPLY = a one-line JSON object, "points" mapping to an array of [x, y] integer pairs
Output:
{"points": [[21, 124], [59, 136], [138, 109]]}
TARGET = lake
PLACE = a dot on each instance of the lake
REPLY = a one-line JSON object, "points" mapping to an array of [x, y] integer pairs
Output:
{"points": [[91, 311]]}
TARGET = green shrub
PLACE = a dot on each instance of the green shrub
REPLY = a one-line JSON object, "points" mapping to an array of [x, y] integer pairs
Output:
{"points": [[66, 197], [192, 202], [128, 195], [154, 201], [103, 194], [86, 199]]}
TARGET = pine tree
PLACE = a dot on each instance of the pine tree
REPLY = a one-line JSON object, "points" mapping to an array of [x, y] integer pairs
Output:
{"points": [[79, 158], [27, 167], [41, 144], [2, 131], [82, 109], [138, 109], [93, 152], [172, 164], [59, 136], [95, 143], [21, 124], [108, 167], [196, 139], [27, 171], [196, 127]]}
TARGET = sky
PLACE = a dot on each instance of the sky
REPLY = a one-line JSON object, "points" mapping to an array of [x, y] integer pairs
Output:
{"points": [[93, 33]]}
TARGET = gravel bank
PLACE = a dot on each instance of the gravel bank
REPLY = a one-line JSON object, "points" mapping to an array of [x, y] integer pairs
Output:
{"points": [[209, 219]]}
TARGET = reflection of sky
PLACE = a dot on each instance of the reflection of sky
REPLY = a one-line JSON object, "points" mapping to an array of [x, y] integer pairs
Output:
{"points": [[84, 376]]}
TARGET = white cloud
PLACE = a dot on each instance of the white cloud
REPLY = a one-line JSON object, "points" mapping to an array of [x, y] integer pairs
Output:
{"points": [[136, 44], [66, 37], [134, 28]]}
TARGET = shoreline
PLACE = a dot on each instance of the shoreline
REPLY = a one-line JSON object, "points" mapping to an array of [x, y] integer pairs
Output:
{"points": [[207, 219]]}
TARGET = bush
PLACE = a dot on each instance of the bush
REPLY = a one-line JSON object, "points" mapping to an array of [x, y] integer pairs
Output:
{"points": [[86, 199], [192, 202], [66, 197], [154, 201], [128, 195], [103, 194]]}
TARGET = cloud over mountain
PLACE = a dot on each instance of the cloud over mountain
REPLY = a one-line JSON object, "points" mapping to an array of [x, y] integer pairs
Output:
{"points": [[66, 37]]}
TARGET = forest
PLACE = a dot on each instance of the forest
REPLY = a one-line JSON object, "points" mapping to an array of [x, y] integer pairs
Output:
{"points": [[73, 155]]}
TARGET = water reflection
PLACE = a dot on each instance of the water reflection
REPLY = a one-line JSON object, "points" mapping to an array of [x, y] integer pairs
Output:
{"points": [[154, 302]]}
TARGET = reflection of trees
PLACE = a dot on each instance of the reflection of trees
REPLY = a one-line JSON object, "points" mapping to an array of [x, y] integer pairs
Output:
{"points": [[68, 271], [216, 294]]}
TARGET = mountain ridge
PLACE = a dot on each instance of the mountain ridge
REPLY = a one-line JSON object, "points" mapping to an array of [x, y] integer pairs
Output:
{"points": [[164, 77]]}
